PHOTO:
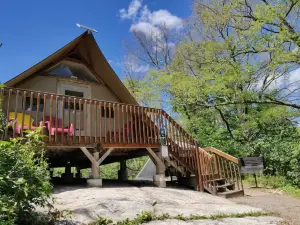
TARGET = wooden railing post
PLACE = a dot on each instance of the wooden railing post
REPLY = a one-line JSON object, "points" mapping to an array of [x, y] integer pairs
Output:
{"points": [[200, 180]]}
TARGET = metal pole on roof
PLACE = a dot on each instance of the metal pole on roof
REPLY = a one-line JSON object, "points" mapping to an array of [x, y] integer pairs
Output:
{"points": [[89, 29]]}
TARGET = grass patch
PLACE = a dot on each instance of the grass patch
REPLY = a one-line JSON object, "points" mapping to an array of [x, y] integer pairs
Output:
{"points": [[275, 182], [147, 216]]}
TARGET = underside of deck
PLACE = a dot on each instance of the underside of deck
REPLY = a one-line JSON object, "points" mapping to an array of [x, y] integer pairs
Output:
{"points": [[61, 155]]}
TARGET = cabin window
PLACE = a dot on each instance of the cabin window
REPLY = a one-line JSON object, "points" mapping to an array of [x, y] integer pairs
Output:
{"points": [[73, 94], [34, 104], [73, 70]]}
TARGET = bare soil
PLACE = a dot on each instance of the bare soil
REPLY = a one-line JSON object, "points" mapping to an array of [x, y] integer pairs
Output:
{"points": [[287, 207]]}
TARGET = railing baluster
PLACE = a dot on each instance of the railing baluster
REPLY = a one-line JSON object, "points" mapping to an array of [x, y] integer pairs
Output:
{"points": [[91, 122], [109, 122], [139, 125], [115, 116], [105, 122], [23, 113], [96, 121], [147, 124], [85, 121], [100, 112], [123, 124], [62, 139], [30, 112], [153, 133], [16, 110], [74, 119], [80, 108], [38, 110], [135, 124], [119, 124], [56, 118], [50, 122], [131, 124], [69, 120], [143, 123], [232, 178], [127, 123], [44, 109]]}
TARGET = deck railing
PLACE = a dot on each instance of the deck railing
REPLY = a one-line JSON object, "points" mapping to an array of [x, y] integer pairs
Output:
{"points": [[72, 121]]}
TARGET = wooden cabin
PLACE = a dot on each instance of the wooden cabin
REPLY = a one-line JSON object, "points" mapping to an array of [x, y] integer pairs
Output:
{"points": [[90, 118]]}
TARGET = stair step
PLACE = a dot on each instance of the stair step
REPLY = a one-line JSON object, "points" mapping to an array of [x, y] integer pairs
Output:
{"points": [[219, 181], [224, 187], [231, 194]]}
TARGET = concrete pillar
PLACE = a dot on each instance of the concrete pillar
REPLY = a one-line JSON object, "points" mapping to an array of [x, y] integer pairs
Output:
{"points": [[159, 178], [123, 173], [95, 181]]}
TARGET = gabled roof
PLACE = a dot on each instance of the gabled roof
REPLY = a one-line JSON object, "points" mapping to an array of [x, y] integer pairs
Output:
{"points": [[87, 47]]}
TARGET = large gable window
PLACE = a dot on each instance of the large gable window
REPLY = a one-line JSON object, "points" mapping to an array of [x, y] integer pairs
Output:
{"points": [[62, 70], [73, 70]]}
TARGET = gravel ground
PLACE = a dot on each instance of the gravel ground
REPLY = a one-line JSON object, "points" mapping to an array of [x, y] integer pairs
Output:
{"points": [[118, 203], [287, 207]]}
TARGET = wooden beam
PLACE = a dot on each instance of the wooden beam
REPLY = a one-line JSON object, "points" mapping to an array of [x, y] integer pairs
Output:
{"points": [[157, 159], [89, 155], [222, 154], [131, 145], [104, 156]]}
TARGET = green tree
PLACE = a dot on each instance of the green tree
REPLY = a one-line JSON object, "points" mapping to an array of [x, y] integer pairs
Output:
{"points": [[24, 178], [233, 81]]}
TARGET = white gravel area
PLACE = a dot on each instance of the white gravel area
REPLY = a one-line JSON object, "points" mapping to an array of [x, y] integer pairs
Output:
{"points": [[118, 203]]}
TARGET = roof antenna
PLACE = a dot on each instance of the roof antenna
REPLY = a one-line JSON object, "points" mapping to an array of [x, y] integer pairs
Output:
{"points": [[89, 30]]}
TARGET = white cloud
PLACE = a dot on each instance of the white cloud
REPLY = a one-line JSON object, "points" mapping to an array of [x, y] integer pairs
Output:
{"points": [[164, 17], [141, 68], [132, 11], [146, 28], [149, 22]]}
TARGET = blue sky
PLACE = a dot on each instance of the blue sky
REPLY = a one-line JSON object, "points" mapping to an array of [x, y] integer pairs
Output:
{"points": [[32, 30]]}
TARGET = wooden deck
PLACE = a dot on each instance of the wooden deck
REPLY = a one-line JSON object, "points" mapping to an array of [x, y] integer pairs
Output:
{"points": [[71, 124], [84, 121]]}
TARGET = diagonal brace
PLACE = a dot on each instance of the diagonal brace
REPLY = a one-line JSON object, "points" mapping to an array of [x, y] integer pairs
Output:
{"points": [[92, 159]]}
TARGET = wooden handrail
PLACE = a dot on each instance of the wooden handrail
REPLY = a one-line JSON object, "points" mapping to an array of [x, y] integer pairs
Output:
{"points": [[222, 154]]}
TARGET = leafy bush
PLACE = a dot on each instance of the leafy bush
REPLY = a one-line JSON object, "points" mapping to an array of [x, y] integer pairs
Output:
{"points": [[24, 178]]}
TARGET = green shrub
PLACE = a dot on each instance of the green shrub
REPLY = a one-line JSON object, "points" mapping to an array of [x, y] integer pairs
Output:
{"points": [[101, 221], [24, 178]]}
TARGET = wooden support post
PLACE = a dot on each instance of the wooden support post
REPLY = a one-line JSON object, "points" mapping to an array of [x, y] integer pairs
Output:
{"points": [[95, 167], [159, 179], [94, 158]]}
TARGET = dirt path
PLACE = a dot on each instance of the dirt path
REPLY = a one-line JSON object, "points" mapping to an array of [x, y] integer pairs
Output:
{"points": [[287, 207]]}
